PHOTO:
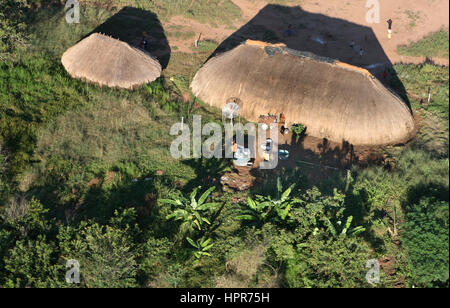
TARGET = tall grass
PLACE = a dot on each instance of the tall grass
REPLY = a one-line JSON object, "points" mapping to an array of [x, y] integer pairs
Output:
{"points": [[417, 79]]}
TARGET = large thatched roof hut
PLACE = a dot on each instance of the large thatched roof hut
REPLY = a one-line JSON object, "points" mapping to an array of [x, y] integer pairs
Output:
{"points": [[110, 62], [333, 99]]}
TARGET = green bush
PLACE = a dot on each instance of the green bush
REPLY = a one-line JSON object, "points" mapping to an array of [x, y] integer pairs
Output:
{"points": [[326, 263], [427, 242]]}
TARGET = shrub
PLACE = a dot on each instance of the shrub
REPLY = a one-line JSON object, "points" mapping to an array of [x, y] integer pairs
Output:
{"points": [[427, 242]]}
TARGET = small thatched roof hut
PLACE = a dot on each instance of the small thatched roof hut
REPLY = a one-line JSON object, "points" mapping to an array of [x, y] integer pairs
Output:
{"points": [[333, 99], [109, 62]]}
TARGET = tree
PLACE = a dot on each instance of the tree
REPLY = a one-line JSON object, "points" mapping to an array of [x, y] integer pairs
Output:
{"points": [[12, 27], [190, 210], [106, 255], [427, 241], [32, 264], [27, 258]]}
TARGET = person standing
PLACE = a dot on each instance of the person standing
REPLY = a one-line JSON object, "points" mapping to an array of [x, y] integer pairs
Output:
{"points": [[144, 42], [389, 28], [289, 31]]}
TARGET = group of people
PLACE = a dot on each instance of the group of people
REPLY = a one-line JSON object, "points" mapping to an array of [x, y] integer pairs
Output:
{"points": [[359, 50]]}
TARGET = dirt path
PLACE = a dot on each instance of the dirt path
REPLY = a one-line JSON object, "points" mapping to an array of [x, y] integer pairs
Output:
{"points": [[412, 20]]}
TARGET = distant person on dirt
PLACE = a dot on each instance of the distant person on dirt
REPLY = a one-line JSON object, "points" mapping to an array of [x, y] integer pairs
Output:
{"points": [[389, 28]]}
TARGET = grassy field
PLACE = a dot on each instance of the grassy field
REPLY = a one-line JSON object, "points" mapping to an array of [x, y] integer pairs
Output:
{"points": [[433, 45], [215, 13]]}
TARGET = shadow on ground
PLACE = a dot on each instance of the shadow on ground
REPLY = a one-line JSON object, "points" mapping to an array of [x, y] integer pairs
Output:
{"points": [[131, 24]]}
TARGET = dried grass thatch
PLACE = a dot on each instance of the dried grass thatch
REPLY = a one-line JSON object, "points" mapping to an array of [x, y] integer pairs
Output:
{"points": [[109, 62], [333, 99]]}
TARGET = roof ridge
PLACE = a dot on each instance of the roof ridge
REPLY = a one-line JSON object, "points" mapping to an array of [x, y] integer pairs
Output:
{"points": [[271, 50]]}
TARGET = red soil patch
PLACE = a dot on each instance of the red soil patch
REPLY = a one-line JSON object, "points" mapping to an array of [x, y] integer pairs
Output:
{"points": [[93, 182]]}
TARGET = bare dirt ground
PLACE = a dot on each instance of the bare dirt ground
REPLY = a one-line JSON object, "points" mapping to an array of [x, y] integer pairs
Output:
{"points": [[412, 20]]}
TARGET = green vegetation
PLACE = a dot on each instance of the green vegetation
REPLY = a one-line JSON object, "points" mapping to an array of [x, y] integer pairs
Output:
{"points": [[427, 226], [86, 174], [298, 130], [421, 78], [202, 246], [224, 11], [12, 24], [216, 13], [205, 46], [264, 208], [433, 45], [413, 16], [190, 211]]}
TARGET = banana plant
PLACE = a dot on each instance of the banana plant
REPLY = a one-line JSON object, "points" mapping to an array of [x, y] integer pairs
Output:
{"points": [[201, 246], [190, 210], [257, 210], [284, 202], [262, 207], [343, 230]]}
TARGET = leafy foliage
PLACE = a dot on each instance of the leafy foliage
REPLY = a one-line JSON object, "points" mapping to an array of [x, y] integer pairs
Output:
{"points": [[12, 26], [427, 241], [202, 246], [328, 263], [298, 130], [190, 210], [264, 207], [105, 254]]}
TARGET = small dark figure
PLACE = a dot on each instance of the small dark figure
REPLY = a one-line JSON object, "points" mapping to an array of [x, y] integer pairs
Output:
{"points": [[389, 24], [389, 28], [289, 31], [144, 44], [385, 75]]}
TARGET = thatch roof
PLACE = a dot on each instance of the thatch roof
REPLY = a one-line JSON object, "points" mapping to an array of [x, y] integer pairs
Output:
{"points": [[334, 100], [109, 62]]}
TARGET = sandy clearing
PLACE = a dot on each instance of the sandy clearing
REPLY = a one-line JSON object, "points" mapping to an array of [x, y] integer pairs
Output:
{"points": [[412, 20]]}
